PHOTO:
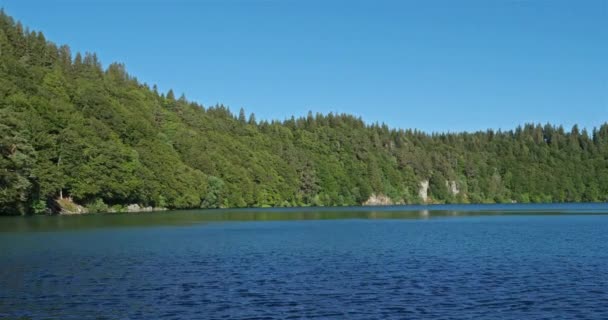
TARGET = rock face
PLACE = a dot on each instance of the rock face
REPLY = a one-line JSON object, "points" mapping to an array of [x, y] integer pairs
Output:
{"points": [[67, 206], [378, 200], [133, 208], [452, 187], [423, 192]]}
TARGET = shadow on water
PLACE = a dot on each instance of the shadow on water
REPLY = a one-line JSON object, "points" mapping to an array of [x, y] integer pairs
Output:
{"points": [[190, 217]]}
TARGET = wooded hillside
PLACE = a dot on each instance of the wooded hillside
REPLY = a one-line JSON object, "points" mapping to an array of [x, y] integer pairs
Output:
{"points": [[70, 128]]}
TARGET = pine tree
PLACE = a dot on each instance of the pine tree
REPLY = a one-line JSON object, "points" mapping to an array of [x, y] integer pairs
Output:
{"points": [[170, 95], [252, 120], [242, 118]]}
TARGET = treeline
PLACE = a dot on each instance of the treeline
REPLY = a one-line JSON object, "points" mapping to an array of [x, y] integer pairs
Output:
{"points": [[70, 128]]}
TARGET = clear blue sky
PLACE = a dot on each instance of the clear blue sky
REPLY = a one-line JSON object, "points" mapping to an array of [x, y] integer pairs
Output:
{"points": [[431, 65]]}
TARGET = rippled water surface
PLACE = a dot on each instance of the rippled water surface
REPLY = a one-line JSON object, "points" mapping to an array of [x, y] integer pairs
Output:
{"points": [[450, 262]]}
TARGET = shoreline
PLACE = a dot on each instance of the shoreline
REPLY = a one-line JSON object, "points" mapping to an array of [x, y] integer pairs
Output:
{"points": [[474, 207]]}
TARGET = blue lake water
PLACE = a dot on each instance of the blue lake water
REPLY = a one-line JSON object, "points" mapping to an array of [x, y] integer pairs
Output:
{"points": [[435, 262]]}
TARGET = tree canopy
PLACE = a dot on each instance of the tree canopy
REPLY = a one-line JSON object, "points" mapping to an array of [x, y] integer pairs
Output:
{"points": [[69, 127]]}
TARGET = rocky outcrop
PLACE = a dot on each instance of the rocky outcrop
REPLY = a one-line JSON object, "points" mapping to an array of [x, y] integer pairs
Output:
{"points": [[67, 206], [423, 192], [378, 200], [452, 187], [137, 208]]}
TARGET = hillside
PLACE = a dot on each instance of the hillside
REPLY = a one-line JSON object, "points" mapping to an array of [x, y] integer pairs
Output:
{"points": [[72, 129]]}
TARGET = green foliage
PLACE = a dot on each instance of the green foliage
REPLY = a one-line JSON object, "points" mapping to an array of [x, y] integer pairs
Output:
{"points": [[16, 160], [439, 190], [69, 128], [97, 206], [214, 196], [117, 208], [39, 207]]}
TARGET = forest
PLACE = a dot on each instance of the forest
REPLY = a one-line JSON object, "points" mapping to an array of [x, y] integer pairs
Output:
{"points": [[72, 129]]}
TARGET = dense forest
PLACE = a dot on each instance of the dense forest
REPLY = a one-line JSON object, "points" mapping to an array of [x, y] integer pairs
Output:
{"points": [[70, 129]]}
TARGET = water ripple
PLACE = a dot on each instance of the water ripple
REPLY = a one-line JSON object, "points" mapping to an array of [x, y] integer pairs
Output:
{"points": [[473, 268]]}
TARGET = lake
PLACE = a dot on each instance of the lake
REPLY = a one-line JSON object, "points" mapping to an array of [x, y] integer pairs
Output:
{"points": [[414, 262]]}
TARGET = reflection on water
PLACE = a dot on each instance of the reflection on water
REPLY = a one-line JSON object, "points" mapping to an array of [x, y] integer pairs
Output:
{"points": [[459, 262], [188, 217]]}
